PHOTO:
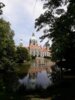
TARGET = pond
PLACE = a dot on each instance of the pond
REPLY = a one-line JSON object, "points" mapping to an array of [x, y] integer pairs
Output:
{"points": [[39, 74]]}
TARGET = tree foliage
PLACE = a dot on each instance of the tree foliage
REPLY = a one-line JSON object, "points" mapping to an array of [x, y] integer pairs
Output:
{"points": [[61, 30], [22, 54], [1, 6], [8, 78], [7, 50]]}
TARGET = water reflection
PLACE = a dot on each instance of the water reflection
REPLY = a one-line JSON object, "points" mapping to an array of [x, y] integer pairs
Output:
{"points": [[42, 62], [39, 75]]}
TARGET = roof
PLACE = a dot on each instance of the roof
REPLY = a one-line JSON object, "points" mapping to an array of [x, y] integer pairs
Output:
{"points": [[43, 49]]}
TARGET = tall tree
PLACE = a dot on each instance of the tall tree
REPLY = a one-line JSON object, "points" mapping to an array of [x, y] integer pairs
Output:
{"points": [[61, 29], [6, 40], [8, 78]]}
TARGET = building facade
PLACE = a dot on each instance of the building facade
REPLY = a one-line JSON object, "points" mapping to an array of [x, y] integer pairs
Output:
{"points": [[37, 50]]}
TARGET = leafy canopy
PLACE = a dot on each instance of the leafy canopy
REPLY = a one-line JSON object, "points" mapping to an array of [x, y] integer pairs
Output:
{"points": [[61, 30], [22, 54]]}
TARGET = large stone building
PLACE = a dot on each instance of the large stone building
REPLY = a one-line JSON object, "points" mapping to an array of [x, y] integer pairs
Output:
{"points": [[37, 50]]}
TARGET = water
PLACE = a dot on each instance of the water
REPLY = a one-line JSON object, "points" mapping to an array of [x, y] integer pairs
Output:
{"points": [[39, 74]]}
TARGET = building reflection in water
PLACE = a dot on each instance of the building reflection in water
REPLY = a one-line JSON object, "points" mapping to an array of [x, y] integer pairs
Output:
{"points": [[39, 75]]}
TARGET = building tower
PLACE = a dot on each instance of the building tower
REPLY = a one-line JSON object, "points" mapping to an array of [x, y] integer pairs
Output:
{"points": [[36, 50], [33, 40], [21, 43]]}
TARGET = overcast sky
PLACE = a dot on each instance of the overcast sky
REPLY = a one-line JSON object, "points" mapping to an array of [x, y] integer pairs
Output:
{"points": [[22, 14]]}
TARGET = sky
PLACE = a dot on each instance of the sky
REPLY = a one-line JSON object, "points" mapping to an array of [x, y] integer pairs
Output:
{"points": [[22, 14]]}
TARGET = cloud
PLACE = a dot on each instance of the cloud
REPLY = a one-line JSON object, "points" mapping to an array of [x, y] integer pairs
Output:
{"points": [[34, 8], [22, 14], [16, 9]]}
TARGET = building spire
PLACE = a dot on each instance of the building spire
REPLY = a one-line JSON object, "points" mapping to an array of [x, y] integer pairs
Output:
{"points": [[33, 34], [33, 40], [21, 43]]}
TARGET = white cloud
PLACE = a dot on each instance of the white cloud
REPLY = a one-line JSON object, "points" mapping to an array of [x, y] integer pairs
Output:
{"points": [[21, 14], [34, 8], [15, 8]]}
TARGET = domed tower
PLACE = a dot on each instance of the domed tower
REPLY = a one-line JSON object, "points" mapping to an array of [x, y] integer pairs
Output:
{"points": [[21, 43], [33, 40]]}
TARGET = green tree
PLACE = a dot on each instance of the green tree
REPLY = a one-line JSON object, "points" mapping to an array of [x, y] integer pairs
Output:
{"points": [[7, 45], [6, 40], [61, 29], [22, 54], [7, 58]]}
